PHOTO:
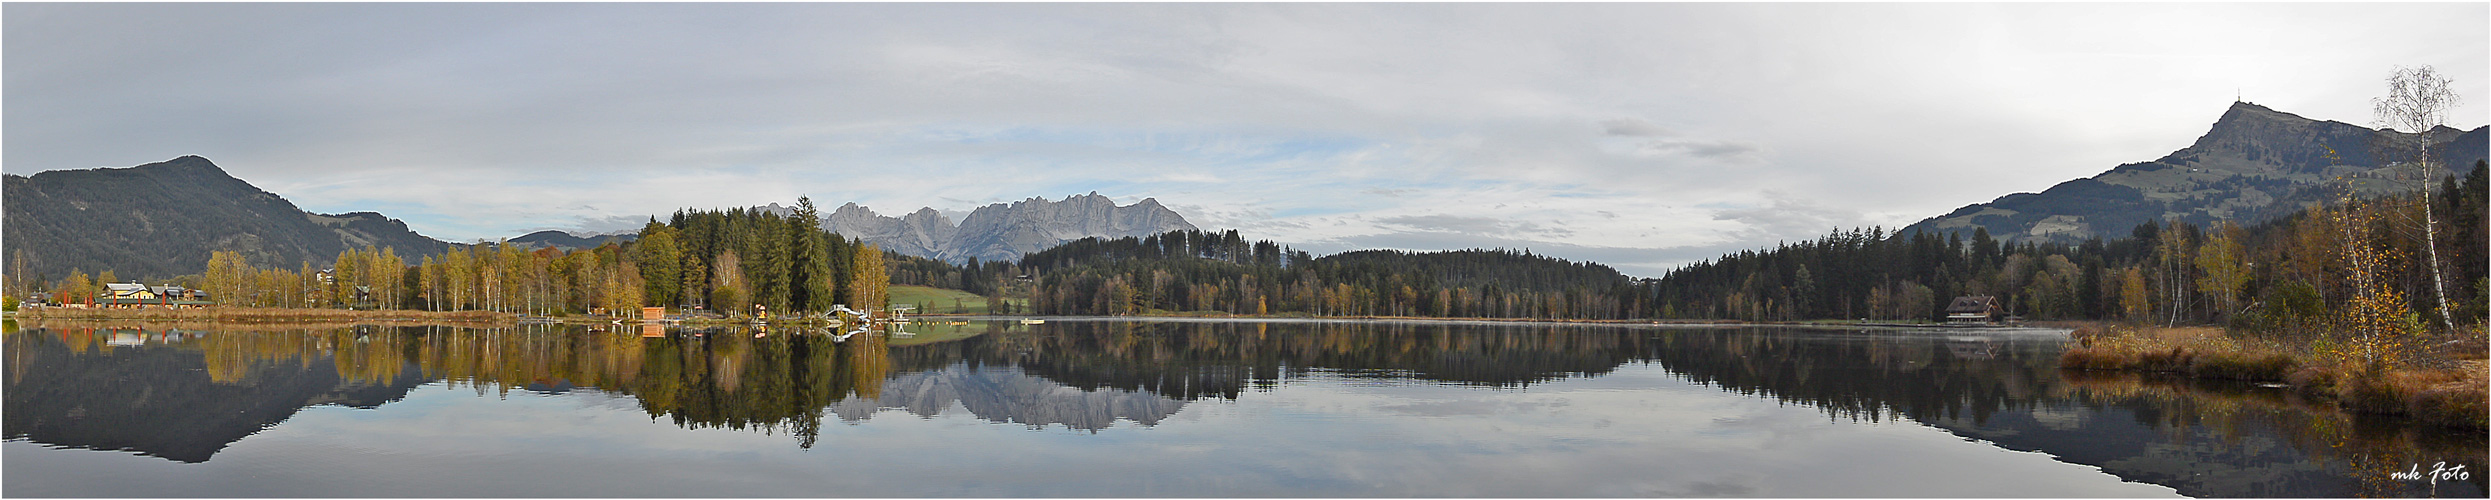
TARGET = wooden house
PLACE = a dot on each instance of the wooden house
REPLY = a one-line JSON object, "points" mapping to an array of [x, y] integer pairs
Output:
{"points": [[125, 291], [128, 295], [1975, 309]]}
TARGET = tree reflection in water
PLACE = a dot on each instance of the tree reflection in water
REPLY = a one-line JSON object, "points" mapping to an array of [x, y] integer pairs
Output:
{"points": [[184, 393]]}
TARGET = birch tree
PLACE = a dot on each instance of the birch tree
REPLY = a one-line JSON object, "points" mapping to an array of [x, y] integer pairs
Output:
{"points": [[2418, 98]]}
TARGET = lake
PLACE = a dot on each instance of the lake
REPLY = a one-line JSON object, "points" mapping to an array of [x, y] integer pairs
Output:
{"points": [[1103, 407]]}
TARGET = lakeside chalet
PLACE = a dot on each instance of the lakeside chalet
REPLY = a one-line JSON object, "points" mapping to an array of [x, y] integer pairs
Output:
{"points": [[1975, 309]]}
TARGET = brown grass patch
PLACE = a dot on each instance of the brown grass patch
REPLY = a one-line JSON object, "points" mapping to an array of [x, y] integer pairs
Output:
{"points": [[2451, 394], [2202, 352]]}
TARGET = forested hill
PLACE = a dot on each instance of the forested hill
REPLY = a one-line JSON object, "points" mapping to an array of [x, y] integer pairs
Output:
{"points": [[2286, 272], [1220, 272], [2252, 165], [1183, 244], [1479, 268], [161, 220], [568, 241]]}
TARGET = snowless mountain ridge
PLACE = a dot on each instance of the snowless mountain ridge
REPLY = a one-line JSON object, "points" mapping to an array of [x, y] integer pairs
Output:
{"points": [[1000, 232]]}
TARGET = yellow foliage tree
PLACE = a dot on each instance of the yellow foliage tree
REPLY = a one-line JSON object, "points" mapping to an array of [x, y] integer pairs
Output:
{"points": [[2225, 272], [2375, 322], [2133, 299], [868, 284]]}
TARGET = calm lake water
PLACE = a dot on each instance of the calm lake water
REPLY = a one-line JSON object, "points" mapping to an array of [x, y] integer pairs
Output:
{"points": [[1105, 408]]}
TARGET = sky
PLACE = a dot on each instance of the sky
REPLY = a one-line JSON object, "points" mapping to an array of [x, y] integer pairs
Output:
{"points": [[1642, 136]]}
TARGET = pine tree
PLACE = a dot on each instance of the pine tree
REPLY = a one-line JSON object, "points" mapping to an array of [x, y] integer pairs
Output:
{"points": [[812, 289]]}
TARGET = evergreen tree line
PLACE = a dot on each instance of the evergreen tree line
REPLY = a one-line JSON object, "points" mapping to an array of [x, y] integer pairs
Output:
{"points": [[1182, 271], [2293, 272], [740, 261], [986, 279]]}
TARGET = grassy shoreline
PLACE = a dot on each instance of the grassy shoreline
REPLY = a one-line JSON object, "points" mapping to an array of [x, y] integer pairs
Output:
{"points": [[2448, 392]]}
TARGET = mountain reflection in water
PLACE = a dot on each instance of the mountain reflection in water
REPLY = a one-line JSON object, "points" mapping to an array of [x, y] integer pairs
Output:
{"points": [[184, 394]]}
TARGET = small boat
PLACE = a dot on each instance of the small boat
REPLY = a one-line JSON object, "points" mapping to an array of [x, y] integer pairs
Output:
{"points": [[1033, 321]]}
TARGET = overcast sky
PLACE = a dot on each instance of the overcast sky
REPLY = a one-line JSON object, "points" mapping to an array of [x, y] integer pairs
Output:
{"points": [[1643, 136]]}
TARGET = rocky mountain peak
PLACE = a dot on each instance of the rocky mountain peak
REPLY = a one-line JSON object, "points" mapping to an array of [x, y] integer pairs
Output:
{"points": [[1003, 231], [2245, 123]]}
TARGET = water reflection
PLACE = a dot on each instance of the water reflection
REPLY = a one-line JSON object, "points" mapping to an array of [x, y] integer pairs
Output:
{"points": [[2204, 439], [1004, 394], [129, 389], [184, 394]]}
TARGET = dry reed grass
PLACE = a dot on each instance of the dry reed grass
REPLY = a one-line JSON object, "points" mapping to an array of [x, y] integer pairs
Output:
{"points": [[2452, 394]]}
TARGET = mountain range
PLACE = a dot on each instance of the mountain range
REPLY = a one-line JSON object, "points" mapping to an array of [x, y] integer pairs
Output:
{"points": [[993, 233], [1003, 232], [2254, 164], [161, 220]]}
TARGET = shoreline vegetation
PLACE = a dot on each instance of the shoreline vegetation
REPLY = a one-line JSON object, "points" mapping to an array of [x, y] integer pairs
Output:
{"points": [[323, 316], [229, 315], [244, 315], [2439, 381]]}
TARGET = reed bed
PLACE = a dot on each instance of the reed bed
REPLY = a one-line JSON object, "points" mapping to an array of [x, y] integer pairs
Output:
{"points": [[2451, 394]]}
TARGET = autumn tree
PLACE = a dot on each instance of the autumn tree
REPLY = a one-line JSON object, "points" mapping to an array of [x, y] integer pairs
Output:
{"points": [[660, 262], [2135, 303], [727, 291], [695, 280], [2375, 321], [77, 288], [868, 285], [2223, 272], [2171, 252], [20, 281]]}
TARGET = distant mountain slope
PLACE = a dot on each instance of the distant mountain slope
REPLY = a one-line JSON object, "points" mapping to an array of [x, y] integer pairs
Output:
{"points": [[2254, 164], [161, 220], [568, 241], [1000, 232]]}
